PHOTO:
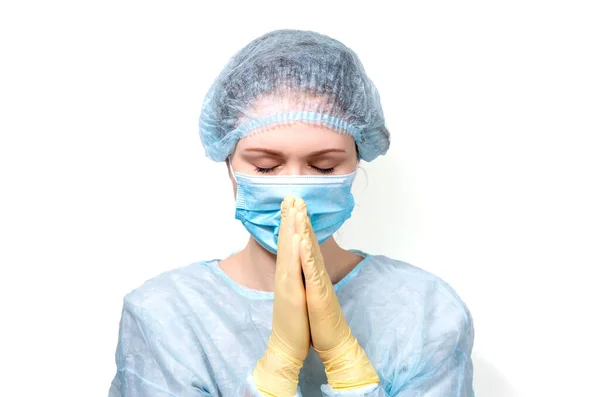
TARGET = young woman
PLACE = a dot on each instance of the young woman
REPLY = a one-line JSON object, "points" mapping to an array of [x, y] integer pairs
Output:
{"points": [[292, 115]]}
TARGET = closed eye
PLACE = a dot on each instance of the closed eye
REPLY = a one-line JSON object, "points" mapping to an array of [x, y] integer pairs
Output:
{"points": [[323, 170], [264, 170]]}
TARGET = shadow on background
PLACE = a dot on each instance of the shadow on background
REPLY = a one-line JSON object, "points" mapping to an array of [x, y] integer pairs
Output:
{"points": [[488, 381]]}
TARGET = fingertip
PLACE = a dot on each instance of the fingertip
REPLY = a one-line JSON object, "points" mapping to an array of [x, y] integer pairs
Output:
{"points": [[300, 205], [288, 201]]}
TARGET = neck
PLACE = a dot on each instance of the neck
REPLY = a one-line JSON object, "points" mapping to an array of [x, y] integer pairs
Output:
{"points": [[256, 266]]}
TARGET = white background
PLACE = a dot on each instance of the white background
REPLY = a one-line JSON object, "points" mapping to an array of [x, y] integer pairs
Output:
{"points": [[491, 181]]}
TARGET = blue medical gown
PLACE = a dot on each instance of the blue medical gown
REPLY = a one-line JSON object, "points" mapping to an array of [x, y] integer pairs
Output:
{"points": [[193, 331]]}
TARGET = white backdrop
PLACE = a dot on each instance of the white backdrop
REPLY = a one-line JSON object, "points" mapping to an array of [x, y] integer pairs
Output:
{"points": [[491, 181]]}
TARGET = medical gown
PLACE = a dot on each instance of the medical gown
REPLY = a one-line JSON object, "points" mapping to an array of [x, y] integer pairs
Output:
{"points": [[193, 331]]}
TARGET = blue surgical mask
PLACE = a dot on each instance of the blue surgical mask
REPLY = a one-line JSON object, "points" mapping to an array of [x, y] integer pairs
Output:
{"points": [[258, 203]]}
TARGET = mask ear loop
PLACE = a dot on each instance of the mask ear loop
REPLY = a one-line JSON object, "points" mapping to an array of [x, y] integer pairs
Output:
{"points": [[232, 174], [230, 170]]}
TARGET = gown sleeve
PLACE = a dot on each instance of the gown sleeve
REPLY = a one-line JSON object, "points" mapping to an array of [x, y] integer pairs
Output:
{"points": [[440, 366], [150, 363]]}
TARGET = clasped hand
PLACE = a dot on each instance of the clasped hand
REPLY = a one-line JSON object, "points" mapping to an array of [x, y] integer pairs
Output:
{"points": [[305, 312]]}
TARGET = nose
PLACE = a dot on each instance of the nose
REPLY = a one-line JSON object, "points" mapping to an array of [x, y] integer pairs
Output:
{"points": [[293, 168]]}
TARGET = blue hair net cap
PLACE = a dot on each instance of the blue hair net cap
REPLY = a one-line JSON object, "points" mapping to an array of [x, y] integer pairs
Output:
{"points": [[289, 76]]}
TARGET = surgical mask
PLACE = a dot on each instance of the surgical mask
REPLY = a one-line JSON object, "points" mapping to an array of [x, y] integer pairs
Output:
{"points": [[258, 203]]}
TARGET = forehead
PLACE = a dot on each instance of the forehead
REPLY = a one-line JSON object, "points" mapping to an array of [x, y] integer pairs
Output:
{"points": [[296, 137]]}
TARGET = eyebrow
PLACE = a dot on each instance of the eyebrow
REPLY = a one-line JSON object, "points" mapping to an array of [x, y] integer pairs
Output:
{"points": [[280, 154]]}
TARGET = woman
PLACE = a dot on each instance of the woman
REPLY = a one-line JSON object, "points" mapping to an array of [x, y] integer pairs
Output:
{"points": [[293, 313]]}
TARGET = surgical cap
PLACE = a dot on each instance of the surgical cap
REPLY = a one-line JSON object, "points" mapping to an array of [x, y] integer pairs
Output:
{"points": [[289, 76]]}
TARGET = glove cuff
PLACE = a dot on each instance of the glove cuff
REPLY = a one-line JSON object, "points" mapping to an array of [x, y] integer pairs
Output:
{"points": [[276, 373], [347, 366]]}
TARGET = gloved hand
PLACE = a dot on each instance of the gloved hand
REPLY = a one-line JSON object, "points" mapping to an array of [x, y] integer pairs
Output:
{"points": [[276, 373], [346, 363]]}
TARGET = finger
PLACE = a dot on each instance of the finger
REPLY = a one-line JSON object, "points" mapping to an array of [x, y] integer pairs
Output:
{"points": [[308, 234], [318, 287], [313, 236], [309, 267], [300, 226], [286, 232], [286, 204], [294, 264], [291, 222], [300, 205]]}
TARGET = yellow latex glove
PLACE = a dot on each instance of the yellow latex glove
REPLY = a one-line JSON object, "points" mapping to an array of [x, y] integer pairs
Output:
{"points": [[346, 363], [276, 373]]}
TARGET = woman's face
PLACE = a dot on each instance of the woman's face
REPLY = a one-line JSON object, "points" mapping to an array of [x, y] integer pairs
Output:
{"points": [[295, 149]]}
